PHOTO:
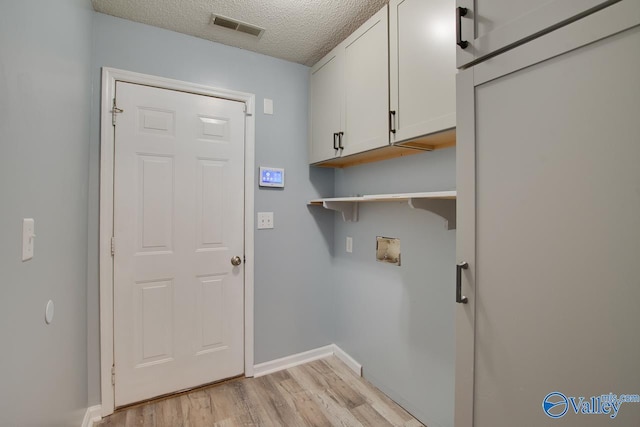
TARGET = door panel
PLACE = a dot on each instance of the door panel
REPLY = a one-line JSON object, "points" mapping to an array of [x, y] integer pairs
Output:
{"points": [[422, 67], [326, 106], [492, 26], [178, 220], [557, 232], [366, 93]]}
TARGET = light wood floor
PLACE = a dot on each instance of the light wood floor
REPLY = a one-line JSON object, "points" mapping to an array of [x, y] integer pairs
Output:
{"points": [[321, 393]]}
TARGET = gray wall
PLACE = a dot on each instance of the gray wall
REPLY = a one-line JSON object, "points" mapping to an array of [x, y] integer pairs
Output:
{"points": [[398, 322], [293, 304], [44, 132]]}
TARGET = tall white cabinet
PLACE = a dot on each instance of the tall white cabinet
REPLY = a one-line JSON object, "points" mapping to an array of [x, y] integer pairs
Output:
{"points": [[548, 237]]}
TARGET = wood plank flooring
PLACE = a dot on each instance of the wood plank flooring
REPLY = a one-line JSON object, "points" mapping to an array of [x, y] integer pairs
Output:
{"points": [[321, 393]]}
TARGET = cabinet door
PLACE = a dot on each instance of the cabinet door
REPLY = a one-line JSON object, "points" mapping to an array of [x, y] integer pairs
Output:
{"points": [[422, 67], [325, 107], [549, 223], [366, 92], [494, 25]]}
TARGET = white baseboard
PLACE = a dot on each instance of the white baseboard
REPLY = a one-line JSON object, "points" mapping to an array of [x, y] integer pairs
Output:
{"points": [[290, 361], [92, 416], [306, 357], [347, 360]]}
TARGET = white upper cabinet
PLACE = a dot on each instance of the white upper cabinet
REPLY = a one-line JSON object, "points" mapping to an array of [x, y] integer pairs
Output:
{"points": [[422, 67], [349, 97], [366, 87], [489, 27], [326, 107], [388, 90]]}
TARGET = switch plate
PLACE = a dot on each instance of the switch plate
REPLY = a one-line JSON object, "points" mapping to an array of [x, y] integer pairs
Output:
{"points": [[265, 220], [268, 106], [349, 245], [28, 238]]}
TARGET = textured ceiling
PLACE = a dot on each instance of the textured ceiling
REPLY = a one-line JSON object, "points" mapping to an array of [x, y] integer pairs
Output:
{"points": [[301, 31]]}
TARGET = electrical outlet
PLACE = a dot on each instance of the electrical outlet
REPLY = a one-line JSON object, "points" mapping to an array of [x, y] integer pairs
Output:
{"points": [[349, 244], [265, 220]]}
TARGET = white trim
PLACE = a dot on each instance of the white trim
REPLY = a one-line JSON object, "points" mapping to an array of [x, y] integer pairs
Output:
{"points": [[92, 416], [293, 360], [109, 78], [306, 357], [347, 360]]}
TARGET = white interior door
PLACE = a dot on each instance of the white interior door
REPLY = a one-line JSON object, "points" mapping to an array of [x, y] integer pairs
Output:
{"points": [[178, 221]]}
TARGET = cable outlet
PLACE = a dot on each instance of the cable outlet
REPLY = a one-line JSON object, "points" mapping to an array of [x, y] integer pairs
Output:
{"points": [[265, 220], [349, 244]]}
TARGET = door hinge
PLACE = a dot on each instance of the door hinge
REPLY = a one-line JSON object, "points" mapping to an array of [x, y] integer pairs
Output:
{"points": [[113, 375], [115, 110], [246, 110], [113, 246]]}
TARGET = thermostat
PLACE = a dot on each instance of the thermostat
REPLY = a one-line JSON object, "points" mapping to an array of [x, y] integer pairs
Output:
{"points": [[271, 177]]}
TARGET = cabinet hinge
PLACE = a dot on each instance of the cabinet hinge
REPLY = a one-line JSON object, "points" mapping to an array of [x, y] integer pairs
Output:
{"points": [[115, 110], [113, 375], [113, 246]]}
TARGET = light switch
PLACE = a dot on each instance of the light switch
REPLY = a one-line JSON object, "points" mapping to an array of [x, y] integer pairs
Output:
{"points": [[349, 244], [28, 238], [265, 220], [268, 106]]}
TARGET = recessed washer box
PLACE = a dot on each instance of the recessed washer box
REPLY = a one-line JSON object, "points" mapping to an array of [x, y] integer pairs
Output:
{"points": [[271, 177], [388, 250]]}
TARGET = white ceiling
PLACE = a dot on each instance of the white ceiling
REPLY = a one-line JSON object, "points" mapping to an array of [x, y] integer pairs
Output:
{"points": [[300, 31]]}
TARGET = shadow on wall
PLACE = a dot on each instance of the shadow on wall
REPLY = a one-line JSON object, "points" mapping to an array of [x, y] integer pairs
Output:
{"points": [[325, 221], [322, 180]]}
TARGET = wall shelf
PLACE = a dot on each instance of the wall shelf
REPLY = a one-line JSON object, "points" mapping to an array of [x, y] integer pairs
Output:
{"points": [[442, 203]]}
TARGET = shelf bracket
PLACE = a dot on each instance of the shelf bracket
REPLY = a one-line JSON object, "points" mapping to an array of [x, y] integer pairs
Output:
{"points": [[446, 208], [349, 210]]}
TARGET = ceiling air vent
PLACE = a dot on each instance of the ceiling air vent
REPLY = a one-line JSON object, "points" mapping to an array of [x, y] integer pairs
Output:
{"points": [[232, 24]]}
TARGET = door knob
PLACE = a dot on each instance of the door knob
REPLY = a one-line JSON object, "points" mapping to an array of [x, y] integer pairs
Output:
{"points": [[236, 260]]}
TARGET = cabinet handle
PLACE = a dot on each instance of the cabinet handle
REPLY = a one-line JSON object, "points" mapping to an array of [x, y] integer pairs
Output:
{"points": [[335, 141], [340, 135], [460, 299], [392, 121], [460, 12]]}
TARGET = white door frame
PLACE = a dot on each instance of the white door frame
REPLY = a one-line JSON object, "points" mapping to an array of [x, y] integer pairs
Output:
{"points": [[107, 135]]}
